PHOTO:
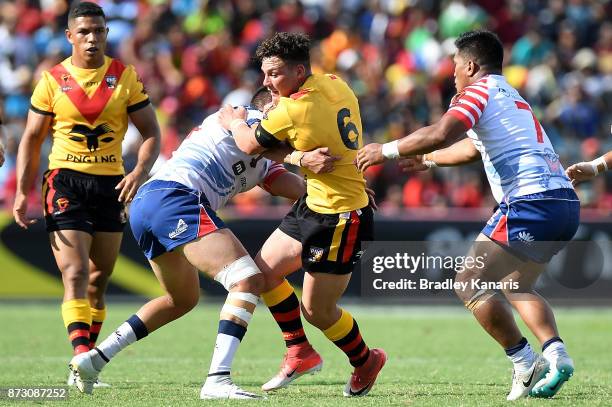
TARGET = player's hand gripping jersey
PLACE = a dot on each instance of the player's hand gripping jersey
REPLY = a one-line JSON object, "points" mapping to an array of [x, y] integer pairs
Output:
{"points": [[210, 162], [89, 114], [517, 155], [323, 113]]}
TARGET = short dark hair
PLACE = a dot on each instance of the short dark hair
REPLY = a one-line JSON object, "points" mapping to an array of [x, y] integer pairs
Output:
{"points": [[86, 9], [484, 47], [261, 98], [290, 47]]}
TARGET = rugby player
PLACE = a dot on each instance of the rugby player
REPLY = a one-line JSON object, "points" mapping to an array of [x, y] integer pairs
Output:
{"points": [[86, 102], [323, 231], [538, 209], [174, 220]]}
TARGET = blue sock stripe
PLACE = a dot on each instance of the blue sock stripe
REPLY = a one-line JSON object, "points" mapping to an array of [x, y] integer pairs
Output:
{"points": [[138, 327], [550, 342], [512, 350], [231, 328]]}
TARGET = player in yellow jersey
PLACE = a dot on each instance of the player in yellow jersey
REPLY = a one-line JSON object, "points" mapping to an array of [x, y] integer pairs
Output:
{"points": [[85, 101], [323, 231]]}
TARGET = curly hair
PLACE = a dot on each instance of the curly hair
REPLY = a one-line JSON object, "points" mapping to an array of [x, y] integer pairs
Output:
{"points": [[290, 47], [484, 46]]}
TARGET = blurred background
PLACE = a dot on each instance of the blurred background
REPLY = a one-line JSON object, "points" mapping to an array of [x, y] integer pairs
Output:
{"points": [[194, 55]]}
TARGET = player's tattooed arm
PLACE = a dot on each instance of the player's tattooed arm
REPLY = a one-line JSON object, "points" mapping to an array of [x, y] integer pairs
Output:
{"points": [[461, 152]]}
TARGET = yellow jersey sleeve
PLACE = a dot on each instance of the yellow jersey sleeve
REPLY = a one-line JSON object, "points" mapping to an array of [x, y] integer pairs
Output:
{"points": [[137, 94], [274, 127], [42, 98]]}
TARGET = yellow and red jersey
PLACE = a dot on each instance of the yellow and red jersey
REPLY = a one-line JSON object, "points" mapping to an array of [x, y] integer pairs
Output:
{"points": [[90, 110]]}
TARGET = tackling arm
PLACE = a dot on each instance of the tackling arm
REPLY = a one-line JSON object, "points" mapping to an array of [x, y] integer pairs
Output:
{"points": [[424, 140]]}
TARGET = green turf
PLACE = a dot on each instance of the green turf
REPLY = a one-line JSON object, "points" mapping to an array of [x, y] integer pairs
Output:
{"points": [[437, 357]]}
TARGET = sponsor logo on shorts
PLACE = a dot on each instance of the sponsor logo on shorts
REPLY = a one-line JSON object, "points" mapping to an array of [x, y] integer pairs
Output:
{"points": [[526, 237], [181, 227], [62, 204], [316, 254]]}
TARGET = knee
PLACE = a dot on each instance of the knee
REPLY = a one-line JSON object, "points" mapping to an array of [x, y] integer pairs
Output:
{"points": [[317, 314], [98, 280], [254, 284], [183, 303], [74, 275]]}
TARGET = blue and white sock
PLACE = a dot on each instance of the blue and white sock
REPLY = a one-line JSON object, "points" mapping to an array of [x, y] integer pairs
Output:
{"points": [[229, 336], [129, 332], [553, 349], [521, 355]]}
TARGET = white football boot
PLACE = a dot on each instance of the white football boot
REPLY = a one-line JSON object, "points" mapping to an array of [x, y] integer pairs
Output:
{"points": [[222, 387], [523, 383], [85, 374], [97, 385]]}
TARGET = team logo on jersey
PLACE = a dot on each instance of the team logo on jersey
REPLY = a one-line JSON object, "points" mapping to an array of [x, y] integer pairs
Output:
{"points": [[239, 167], [525, 236], [455, 100], [92, 136], [316, 254], [65, 86], [111, 81], [181, 227], [62, 204]]}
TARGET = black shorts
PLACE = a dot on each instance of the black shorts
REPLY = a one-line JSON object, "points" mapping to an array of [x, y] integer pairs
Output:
{"points": [[74, 200], [331, 243]]}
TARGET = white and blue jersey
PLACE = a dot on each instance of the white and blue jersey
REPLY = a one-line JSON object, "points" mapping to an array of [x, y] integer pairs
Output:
{"points": [[537, 202], [177, 205], [210, 162]]}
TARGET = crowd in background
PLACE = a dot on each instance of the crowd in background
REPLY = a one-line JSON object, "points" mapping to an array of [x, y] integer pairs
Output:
{"points": [[194, 55]]}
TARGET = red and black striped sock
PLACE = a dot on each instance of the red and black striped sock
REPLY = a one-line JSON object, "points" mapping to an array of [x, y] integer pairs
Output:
{"points": [[97, 319], [285, 308], [345, 335], [77, 319]]}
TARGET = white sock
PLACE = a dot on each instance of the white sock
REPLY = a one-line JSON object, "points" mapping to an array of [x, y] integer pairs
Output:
{"points": [[523, 359], [554, 351], [115, 342], [228, 339]]}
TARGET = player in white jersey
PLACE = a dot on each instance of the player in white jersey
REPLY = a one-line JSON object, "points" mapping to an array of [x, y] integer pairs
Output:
{"points": [[538, 210], [174, 222]]}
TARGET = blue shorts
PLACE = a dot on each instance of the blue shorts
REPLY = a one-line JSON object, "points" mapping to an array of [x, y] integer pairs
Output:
{"points": [[166, 214], [537, 226]]}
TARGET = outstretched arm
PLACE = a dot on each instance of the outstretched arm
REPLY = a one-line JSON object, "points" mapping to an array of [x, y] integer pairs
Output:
{"points": [[461, 152], [587, 170], [424, 140]]}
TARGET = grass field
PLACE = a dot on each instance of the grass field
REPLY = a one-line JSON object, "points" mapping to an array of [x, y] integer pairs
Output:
{"points": [[437, 357]]}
